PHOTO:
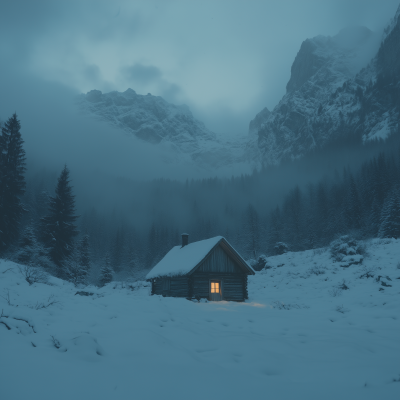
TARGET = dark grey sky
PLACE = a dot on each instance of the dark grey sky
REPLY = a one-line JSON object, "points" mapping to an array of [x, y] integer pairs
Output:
{"points": [[226, 59]]}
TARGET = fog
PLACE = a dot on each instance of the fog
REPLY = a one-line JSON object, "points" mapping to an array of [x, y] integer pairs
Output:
{"points": [[226, 60]]}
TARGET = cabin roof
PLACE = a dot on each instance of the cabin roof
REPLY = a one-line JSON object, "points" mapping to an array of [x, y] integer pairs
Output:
{"points": [[184, 260]]}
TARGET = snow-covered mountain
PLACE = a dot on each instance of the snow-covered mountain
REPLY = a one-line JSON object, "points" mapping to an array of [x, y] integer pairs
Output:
{"points": [[173, 127], [341, 89]]}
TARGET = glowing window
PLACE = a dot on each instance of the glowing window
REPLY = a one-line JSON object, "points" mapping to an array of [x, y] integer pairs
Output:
{"points": [[215, 287]]}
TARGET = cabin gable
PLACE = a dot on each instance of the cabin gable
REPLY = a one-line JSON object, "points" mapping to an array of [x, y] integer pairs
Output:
{"points": [[219, 261]]}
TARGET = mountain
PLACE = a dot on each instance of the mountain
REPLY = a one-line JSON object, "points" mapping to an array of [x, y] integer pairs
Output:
{"points": [[173, 127], [342, 89]]}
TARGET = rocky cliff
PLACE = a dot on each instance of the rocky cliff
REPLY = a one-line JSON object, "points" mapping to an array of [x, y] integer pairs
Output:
{"points": [[154, 120], [342, 89]]}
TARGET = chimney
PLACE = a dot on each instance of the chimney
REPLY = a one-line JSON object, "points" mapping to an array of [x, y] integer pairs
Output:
{"points": [[185, 239]]}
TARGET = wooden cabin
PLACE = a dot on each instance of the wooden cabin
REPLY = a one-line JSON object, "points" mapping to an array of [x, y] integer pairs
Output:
{"points": [[210, 269]]}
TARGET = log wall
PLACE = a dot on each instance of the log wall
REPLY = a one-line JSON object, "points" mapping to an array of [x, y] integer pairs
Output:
{"points": [[178, 286], [234, 286]]}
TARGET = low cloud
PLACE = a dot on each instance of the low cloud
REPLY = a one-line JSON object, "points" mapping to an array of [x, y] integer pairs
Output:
{"points": [[149, 79], [142, 73]]}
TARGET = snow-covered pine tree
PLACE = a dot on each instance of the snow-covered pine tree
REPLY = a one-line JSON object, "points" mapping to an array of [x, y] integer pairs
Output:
{"points": [[84, 256], [390, 216], [28, 247], [31, 251], [373, 220], [106, 272], [58, 227], [12, 180], [73, 271]]}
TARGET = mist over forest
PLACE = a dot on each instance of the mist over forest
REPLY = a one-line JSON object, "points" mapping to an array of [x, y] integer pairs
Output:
{"points": [[132, 198], [134, 222]]}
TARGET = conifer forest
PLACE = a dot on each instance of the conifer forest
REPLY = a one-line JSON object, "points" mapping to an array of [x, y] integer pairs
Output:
{"points": [[41, 224]]}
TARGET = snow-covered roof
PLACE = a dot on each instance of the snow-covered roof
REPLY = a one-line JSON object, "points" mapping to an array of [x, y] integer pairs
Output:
{"points": [[182, 260]]}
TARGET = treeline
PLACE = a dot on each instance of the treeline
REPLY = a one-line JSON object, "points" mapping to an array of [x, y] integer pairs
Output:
{"points": [[47, 241], [40, 225], [366, 205]]}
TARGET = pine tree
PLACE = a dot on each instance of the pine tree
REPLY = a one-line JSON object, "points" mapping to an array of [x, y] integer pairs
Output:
{"points": [[58, 226], [12, 181], [117, 250], [275, 230], [106, 272], [293, 219], [28, 246], [251, 232], [321, 215], [31, 251], [73, 271], [84, 255], [353, 207], [390, 217]]}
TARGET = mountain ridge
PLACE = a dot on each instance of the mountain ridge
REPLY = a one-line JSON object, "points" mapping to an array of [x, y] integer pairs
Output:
{"points": [[328, 103]]}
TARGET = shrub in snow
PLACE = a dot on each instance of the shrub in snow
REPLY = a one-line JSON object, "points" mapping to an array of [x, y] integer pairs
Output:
{"points": [[369, 273], [261, 263], [282, 306], [280, 248], [335, 292], [343, 285], [342, 309], [33, 274], [316, 270], [347, 251]]}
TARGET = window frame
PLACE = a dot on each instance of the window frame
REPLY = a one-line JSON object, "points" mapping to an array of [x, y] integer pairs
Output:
{"points": [[221, 287]]}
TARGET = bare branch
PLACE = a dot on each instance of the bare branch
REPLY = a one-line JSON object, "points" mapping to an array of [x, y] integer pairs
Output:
{"points": [[56, 343], [7, 296], [50, 302], [17, 319], [2, 322], [9, 269], [21, 319], [33, 274]]}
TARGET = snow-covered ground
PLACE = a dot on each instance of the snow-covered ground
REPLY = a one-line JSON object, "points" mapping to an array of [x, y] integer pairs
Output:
{"points": [[299, 336]]}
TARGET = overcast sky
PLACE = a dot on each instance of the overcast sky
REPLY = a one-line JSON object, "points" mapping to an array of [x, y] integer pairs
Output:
{"points": [[225, 59]]}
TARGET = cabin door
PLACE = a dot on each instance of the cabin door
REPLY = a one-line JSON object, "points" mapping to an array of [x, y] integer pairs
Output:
{"points": [[215, 291]]}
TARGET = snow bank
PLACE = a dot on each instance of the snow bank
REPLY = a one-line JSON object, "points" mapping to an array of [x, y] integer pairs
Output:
{"points": [[310, 330]]}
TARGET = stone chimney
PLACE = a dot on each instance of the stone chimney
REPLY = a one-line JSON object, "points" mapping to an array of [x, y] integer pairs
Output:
{"points": [[185, 239]]}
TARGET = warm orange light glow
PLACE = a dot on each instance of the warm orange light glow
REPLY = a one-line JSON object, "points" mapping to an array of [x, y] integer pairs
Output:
{"points": [[214, 287]]}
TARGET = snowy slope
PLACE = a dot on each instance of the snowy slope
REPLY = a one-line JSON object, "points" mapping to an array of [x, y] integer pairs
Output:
{"points": [[333, 96], [172, 127], [298, 336]]}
